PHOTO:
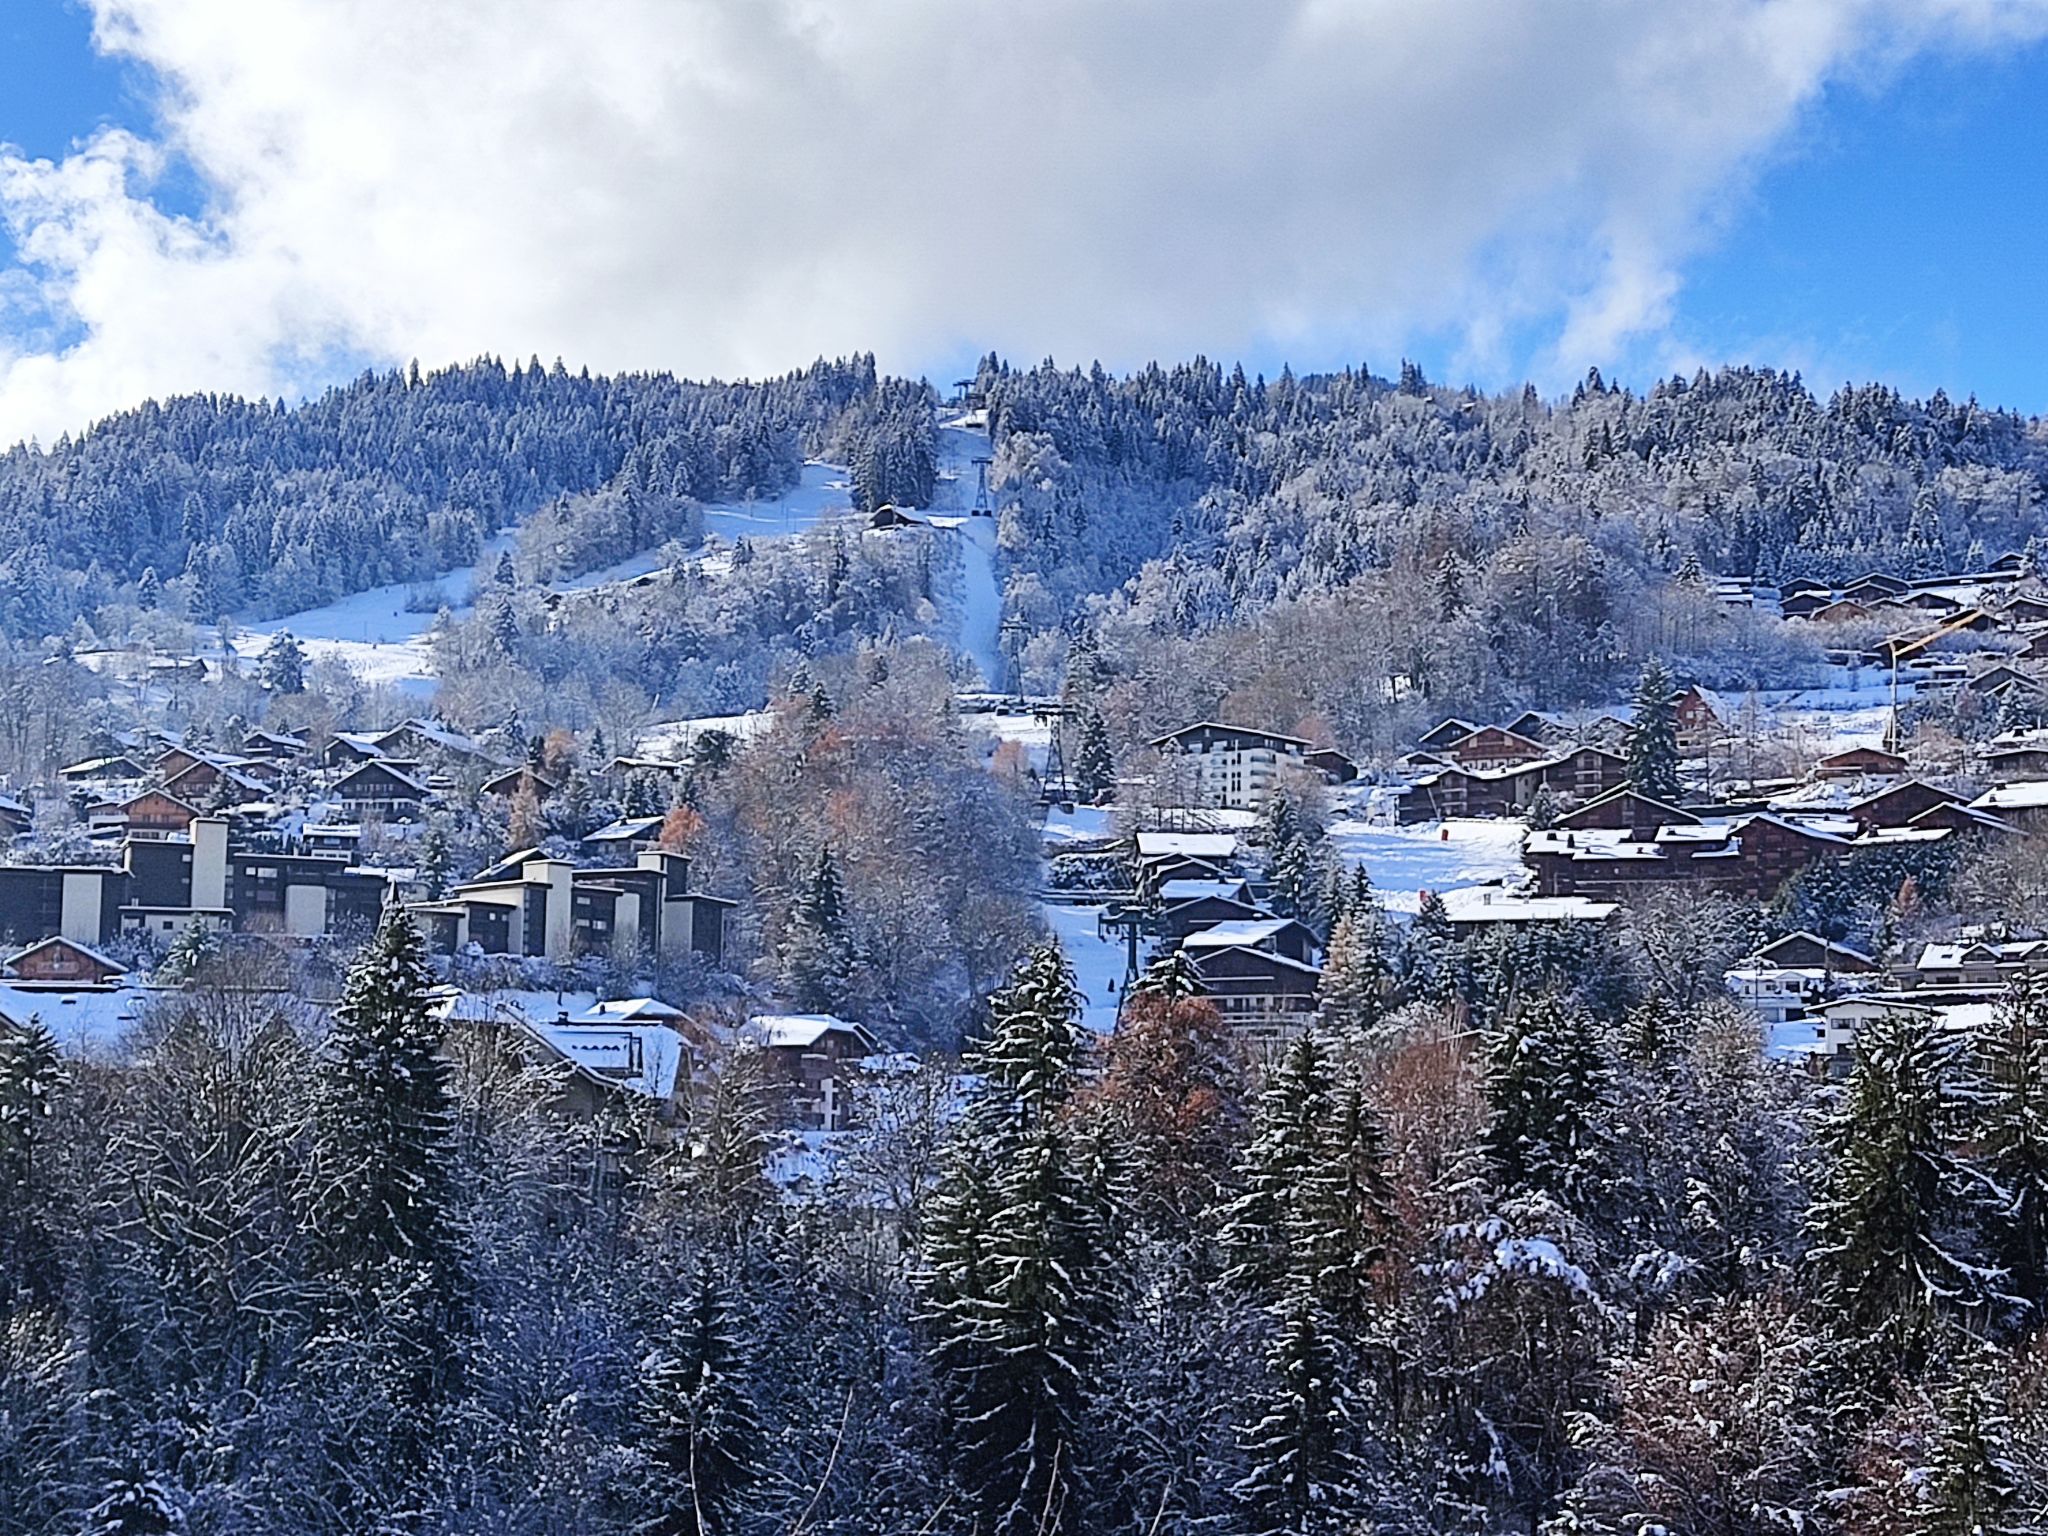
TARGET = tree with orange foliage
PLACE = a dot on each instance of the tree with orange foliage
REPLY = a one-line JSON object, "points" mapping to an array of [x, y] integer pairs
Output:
{"points": [[1174, 1095], [679, 830]]}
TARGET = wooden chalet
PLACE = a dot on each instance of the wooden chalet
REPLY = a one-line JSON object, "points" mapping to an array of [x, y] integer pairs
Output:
{"points": [[56, 961], [1859, 762], [380, 789]]}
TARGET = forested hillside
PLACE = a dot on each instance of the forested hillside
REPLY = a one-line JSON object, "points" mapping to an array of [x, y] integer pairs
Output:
{"points": [[395, 476]]}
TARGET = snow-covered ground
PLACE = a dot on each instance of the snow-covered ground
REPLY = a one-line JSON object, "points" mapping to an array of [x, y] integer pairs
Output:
{"points": [[823, 491], [1403, 862], [373, 633], [671, 740], [1083, 824], [1098, 962], [981, 597]]}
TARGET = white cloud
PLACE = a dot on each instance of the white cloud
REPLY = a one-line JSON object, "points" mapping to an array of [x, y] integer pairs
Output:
{"points": [[735, 186]]}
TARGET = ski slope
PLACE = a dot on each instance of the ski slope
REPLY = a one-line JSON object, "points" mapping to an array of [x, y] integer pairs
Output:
{"points": [[373, 634], [1403, 862], [980, 600]]}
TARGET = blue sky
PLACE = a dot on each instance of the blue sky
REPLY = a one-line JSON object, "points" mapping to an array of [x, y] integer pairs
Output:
{"points": [[1885, 226]]}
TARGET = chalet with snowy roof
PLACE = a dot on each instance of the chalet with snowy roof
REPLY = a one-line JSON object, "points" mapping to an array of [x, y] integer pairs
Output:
{"points": [[118, 768], [1480, 908], [1900, 804], [213, 780], [1699, 717], [816, 1059], [276, 746], [1333, 765], [1444, 732], [1261, 993], [1975, 963], [15, 816], [1876, 584], [2026, 608], [2017, 755], [1859, 762], [1781, 981], [1805, 603], [623, 838], [63, 961], [1273, 935], [345, 749], [421, 740], [2023, 805], [1626, 810], [1492, 747], [1998, 681], [1579, 774], [379, 789], [601, 1055], [1810, 951], [1748, 856], [156, 813], [522, 780], [1233, 767]]}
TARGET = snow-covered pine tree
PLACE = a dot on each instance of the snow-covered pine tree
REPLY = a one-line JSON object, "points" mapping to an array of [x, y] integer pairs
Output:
{"points": [[1652, 738], [1017, 1280], [283, 667], [1430, 952], [1301, 1476], [818, 953], [2010, 1131], [700, 1430], [1968, 1487], [1094, 767], [31, 1076], [1302, 1240], [1546, 1084], [379, 1171], [136, 1504], [1357, 973], [1886, 1248]]}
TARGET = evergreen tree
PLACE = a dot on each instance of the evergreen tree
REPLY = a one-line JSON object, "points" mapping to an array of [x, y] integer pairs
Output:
{"points": [[818, 955], [136, 1505], [1969, 1488], [1094, 768], [1357, 974], [1546, 1087], [283, 668], [190, 952], [378, 1187], [1885, 1225], [699, 1424], [437, 861], [1542, 811], [1450, 587], [1652, 741], [149, 591], [1430, 952], [1015, 1286], [1303, 1239], [31, 1077], [2010, 1113]]}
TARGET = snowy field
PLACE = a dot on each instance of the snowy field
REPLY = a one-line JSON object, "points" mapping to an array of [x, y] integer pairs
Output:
{"points": [[373, 633], [1098, 962], [1403, 862], [671, 740]]}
